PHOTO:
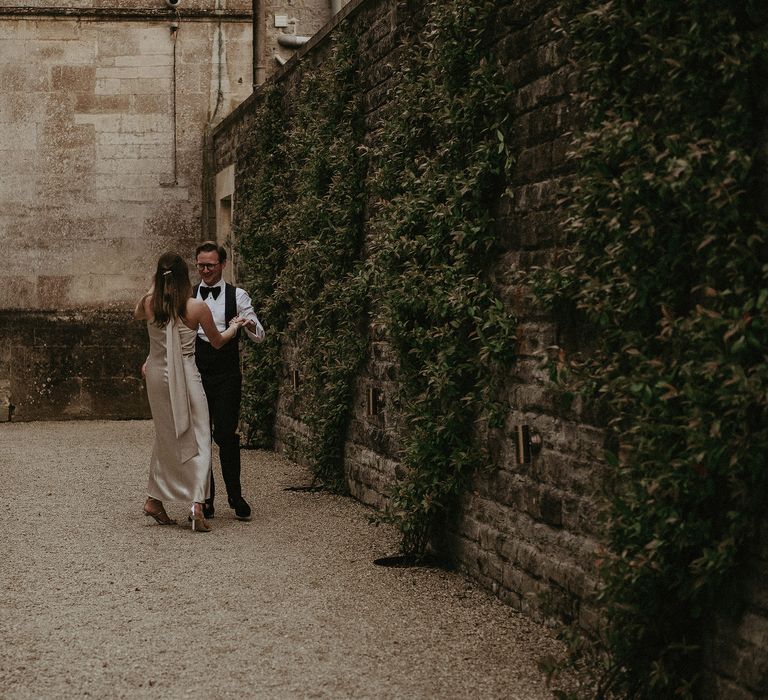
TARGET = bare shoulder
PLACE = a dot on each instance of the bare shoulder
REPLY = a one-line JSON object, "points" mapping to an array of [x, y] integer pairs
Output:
{"points": [[195, 307], [143, 309]]}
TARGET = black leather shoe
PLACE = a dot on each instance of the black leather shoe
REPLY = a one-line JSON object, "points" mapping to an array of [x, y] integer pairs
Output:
{"points": [[208, 510], [242, 509]]}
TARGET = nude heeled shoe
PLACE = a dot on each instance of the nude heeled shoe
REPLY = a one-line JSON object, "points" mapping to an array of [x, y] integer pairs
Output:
{"points": [[199, 523], [159, 514]]}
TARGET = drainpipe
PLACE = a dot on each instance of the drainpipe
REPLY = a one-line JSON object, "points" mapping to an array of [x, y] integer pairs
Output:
{"points": [[258, 42], [292, 40], [335, 7]]}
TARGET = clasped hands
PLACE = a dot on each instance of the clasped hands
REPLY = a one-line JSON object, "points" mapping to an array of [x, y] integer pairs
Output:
{"points": [[242, 323]]}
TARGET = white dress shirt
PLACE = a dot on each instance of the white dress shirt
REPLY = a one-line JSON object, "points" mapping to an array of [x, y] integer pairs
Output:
{"points": [[244, 310]]}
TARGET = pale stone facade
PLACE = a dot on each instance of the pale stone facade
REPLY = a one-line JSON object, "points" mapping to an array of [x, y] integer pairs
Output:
{"points": [[103, 116]]}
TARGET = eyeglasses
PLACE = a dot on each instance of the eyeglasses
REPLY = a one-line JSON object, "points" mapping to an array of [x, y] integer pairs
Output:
{"points": [[206, 266]]}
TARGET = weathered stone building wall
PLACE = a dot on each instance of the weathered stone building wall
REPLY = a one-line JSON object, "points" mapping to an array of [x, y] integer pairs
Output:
{"points": [[103, 117], [527, 532]]}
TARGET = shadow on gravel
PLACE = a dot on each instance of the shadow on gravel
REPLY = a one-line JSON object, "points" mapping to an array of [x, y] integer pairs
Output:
{"points": [[406, 561]]}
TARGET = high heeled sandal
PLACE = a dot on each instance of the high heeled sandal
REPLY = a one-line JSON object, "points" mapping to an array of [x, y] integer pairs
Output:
{"points": [[160, 516], [199, 523]]}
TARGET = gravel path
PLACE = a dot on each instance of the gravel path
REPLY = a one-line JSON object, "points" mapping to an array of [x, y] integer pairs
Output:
{"points": [[99, 601]]}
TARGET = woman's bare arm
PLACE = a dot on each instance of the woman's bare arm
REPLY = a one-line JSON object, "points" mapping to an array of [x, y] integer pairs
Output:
{"points": [[198, 313]]}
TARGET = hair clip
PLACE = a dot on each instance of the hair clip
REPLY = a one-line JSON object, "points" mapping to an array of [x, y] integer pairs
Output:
{"points": [[167, 272]]}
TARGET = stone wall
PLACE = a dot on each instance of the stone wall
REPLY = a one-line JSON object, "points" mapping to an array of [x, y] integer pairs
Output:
{"points": [[71, 364], [524, 530], [104, 128], [103, 116], [527, 532]]}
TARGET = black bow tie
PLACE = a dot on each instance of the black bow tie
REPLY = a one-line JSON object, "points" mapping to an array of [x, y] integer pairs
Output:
{"points": [[213, 291]]}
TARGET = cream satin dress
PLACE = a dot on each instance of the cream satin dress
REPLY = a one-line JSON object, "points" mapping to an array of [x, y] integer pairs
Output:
{"points": [[181, 456]]}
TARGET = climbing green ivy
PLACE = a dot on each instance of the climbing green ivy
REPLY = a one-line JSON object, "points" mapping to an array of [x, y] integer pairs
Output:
{"points": [[261, 233], [441, 162], [431, 176], [300, 238], [666, 282], [667, 277]]}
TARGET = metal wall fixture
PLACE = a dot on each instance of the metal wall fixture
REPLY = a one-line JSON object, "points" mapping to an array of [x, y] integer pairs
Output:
{"points": [[375, 402], [528, 444]]}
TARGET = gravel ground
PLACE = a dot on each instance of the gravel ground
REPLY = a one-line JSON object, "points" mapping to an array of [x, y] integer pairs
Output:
{"points": [[99, 601]]}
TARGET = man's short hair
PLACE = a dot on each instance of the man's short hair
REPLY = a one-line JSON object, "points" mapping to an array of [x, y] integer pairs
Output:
{"points": [[212, 247]]}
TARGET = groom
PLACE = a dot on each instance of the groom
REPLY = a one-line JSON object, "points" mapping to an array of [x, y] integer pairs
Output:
{"points": [[220, 369]]}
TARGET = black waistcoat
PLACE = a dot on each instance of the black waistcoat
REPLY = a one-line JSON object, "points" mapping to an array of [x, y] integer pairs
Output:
{"points": [[225, 360]]}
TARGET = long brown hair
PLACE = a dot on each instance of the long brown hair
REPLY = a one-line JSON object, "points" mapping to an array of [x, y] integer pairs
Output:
{"points": [[172, 289]]}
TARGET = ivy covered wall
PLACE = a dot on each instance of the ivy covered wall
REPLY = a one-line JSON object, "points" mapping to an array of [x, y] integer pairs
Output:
{"points": [[437, 275]]}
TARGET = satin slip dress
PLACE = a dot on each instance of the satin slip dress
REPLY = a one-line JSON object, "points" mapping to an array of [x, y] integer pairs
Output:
{"points": [[180, 466]]}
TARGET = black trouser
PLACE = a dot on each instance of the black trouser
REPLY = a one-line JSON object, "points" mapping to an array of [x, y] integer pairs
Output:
{"points": [[223, 392]]}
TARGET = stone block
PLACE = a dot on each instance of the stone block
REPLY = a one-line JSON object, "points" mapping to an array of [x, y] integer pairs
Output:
{"points": [[533, 162], [521, 71], [23, 78], [101, 394], [490, 566], [18, 137], [111, 42], [470, 528], [517, 580], [68, 51], [534, 337], [551, 507], [713, 687], [150, 104], [53, 291], [590, 618], [44, 30], [40, 400], [754, 629], [89, 102], [11, 50], [69, 78], [527, 398], [721, 649], [552, 55], [570, 577], [753, 668], [562, 154], [515, 45], [522, 12], [511, 598], [489, 539], [757, 589]]}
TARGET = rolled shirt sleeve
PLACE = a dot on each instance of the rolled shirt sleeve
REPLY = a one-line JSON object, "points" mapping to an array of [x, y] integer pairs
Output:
{"points": [[245, 310]]}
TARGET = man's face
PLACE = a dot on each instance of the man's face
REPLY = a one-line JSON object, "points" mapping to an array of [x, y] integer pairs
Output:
{"points": [[209, 267]]}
